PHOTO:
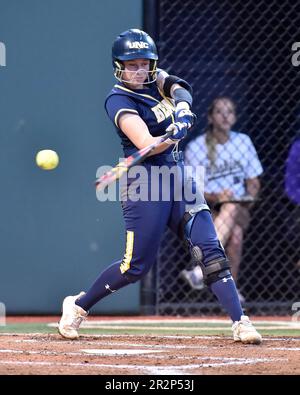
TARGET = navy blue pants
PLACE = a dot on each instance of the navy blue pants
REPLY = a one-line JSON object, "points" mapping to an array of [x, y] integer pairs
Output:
{"points": [[146, 221], [146, 218]]}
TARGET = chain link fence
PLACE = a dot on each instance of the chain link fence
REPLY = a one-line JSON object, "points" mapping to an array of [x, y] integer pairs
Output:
{"points": [[241, 49]]}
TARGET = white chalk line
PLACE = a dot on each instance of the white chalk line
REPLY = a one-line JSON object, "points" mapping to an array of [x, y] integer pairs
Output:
{"points": [[128, 352], [164, 346], [120, 352], [91, 352], [83, 339], [93, 336]]}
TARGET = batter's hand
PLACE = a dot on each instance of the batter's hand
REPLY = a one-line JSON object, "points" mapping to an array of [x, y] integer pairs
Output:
{"points": [[185, 116], [179, 132]]}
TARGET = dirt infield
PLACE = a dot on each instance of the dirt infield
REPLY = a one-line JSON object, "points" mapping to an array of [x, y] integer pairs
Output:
{"points": [[36, 354]]}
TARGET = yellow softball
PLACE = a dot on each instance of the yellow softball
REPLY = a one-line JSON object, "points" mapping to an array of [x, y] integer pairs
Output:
{"points": [[47, 159]]}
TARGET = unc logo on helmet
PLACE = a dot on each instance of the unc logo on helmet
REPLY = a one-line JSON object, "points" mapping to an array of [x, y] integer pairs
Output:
{"points": [[138, 45], [134, 44]]}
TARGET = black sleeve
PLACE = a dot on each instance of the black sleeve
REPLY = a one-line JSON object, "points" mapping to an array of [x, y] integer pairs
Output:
{"points": [[171, 80]]}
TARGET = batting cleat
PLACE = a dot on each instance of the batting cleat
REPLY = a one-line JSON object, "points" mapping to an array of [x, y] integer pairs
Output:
{"points": [[244, 331], [72, 317]]}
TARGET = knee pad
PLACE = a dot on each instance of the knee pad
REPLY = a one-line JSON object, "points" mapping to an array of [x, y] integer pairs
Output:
{"points": [[200, 231], [188, 219], [214, 270], [207, 251]]}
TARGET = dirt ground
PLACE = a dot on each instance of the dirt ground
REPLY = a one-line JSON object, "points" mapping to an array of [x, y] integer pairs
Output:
{"points": [[40, 354]]}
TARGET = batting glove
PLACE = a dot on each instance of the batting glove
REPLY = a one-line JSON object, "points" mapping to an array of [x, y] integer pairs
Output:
{"points": [[184, 116], [179, 130]]}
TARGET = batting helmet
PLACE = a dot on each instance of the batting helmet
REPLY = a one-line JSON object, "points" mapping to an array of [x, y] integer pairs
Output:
{"points": [[134, 44]]}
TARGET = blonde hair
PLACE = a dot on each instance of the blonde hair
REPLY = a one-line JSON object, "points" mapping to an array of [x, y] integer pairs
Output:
{"points": [[210, 139]]}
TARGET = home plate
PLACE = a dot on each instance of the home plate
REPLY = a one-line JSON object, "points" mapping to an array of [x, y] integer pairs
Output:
{"points": [[119, 352]]}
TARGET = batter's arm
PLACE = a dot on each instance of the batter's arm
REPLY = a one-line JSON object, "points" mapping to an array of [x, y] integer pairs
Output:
{"points": [[138, 133]]}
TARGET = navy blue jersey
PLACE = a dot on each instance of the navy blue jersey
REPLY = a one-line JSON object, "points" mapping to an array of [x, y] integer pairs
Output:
{"points": [[150, 104]]}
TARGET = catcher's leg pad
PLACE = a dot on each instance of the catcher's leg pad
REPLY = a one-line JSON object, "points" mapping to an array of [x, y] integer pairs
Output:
{"points": [[213, 270], [206, 249]]}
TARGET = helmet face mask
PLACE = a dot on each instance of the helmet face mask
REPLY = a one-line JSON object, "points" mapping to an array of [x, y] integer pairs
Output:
{"points": [[134, 44], [120, 68]]}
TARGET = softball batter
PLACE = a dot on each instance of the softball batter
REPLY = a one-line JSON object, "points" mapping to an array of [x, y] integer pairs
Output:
{"points": [[145, 102]]}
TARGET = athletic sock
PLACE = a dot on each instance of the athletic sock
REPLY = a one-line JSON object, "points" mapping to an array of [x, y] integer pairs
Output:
{"points": [[109, 281], [225, 291]]}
